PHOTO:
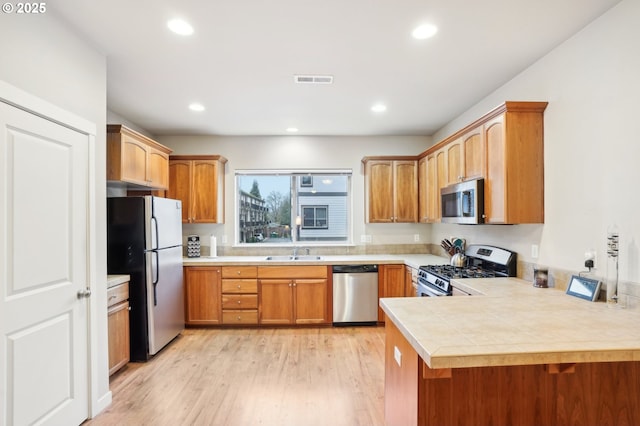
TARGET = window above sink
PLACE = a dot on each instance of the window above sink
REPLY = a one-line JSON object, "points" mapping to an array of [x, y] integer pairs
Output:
{"points": [[287, 207]]}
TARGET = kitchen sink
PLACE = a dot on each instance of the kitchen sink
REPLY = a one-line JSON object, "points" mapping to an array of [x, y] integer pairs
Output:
{"points": [[279, 258], [290, 258], [308, 257]]}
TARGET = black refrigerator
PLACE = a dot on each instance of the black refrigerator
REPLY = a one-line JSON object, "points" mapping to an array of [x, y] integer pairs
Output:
{"points": [[144, 240]]}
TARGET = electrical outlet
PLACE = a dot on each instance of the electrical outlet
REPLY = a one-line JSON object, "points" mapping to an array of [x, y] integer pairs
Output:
{"points": [[224, 239], [397, 355], [365, 238], [416, 237], [534, 251], [590, 256]]}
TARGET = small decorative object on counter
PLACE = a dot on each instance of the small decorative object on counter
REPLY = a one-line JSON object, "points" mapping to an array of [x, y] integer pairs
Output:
{"points": [[193, 246], [613, 242], [541, 278]]}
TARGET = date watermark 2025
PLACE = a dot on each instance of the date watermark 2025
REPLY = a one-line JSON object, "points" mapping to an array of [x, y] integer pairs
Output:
{"points": [[24, 8]]}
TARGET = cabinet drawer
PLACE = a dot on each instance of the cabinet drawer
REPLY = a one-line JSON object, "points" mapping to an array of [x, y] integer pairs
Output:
{"points": [[239, 272], [239, 301], [240, 317], [239, 286], [117, 294]]}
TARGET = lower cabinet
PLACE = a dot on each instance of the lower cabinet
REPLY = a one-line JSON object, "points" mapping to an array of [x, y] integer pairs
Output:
{"points": [[294, 295], [202, 295], [118, 326], [239, 295], [391, 283]]}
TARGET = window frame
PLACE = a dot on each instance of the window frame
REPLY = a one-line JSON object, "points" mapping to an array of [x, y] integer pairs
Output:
{"points": [[295, 184], [324, 207]]}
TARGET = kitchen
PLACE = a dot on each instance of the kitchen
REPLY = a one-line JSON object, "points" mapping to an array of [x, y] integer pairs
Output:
{"points": [[589, 79]]}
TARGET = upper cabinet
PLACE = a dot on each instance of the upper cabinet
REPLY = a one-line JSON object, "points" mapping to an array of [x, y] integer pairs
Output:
{"points": [[391, 189], [135, 159], [428, 189], [198, 181], [506, 148], [514, 180]]}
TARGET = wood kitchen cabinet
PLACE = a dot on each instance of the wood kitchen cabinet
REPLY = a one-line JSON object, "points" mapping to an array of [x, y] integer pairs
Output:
{"points": [[294, 295], [428, 190], [506, 148], [240, 295], [391, 283], [118, 326], [198, 181], [391, 189], [202, 286], [136, 159], [514, 181]]}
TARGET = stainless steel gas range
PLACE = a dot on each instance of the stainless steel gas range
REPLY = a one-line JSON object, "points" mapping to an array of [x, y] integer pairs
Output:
{"points": [[482, 261]]}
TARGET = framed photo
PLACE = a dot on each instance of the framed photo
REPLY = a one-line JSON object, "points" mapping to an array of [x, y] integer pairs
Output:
{"points": [[584, 288], [306, 181]]}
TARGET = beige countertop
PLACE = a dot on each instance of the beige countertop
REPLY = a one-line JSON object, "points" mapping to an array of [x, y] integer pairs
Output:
{"points": [[413, 260], [510, 322], [114, 280]]}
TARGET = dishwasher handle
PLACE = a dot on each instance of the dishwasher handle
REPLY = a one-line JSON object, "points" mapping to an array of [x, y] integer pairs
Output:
{"points": [[354, 269]]}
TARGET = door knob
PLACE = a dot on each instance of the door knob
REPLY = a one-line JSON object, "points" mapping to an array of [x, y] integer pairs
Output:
{"points": [[83, 294]]}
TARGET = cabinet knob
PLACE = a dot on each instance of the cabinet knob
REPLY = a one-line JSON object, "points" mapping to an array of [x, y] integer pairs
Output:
{"points": [[238, 272], [239, 318], [239, 286], [238, 302]]}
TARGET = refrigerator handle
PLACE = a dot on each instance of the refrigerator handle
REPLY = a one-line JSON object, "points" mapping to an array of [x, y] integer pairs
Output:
{"points": [[156, 235], [156, 278]]}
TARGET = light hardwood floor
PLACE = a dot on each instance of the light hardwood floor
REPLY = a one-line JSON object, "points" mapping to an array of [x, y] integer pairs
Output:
{"points": [[293, 376]]}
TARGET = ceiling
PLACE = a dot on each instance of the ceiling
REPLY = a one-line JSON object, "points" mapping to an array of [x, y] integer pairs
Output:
{"points": [[241, 60]]}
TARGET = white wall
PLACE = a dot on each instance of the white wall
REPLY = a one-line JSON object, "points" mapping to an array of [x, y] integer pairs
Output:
{"points": [[592, 151], [295, 152], [42, 57]]}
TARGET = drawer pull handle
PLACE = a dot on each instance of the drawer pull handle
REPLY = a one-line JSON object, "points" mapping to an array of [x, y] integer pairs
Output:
{"points": [[239, 318], [239, 286], [238, 272], [238, 302]]}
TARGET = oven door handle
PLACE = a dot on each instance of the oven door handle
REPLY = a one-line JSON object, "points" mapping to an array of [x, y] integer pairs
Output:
{"points": [[431, 293]]}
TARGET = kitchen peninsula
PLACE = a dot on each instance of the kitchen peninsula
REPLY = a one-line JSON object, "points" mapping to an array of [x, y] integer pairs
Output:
{"points": [[510, 354]]}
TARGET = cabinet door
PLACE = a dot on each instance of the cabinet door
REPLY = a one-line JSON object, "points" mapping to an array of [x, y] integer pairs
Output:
{"points": [[390, 283], [401, 379], [409, 291], [380, 191], [405, 191], [310, 302], [474, 154], [205, 192], [441, 168], [158, 172], [134, 161], [276, 301], [433, 190], [118, 326], [455, 161], [423, 211], [494, 186], [202, 295], [180, 186]]}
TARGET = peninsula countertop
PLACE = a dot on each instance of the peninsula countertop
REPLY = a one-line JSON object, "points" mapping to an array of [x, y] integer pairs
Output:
{"points": [[413, 260], [510, 322]]}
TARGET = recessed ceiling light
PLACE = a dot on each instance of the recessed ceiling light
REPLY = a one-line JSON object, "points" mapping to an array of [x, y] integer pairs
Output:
{"points": [[180, 26], [424, 31], [196, 107], [292, 129], [379, 107]]}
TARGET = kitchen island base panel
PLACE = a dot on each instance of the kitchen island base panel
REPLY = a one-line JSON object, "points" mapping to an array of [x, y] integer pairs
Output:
{"points": [[602, 393]]}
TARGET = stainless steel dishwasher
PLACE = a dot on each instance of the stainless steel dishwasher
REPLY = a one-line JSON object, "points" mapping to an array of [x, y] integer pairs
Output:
{"points": [[355, 294]]}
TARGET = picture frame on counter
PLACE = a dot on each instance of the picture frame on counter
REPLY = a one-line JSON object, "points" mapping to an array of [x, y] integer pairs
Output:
{"points": [[584, 288]]}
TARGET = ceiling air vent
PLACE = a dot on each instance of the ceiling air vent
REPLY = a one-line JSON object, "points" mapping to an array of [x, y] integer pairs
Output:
{"points": [[313, 79]]}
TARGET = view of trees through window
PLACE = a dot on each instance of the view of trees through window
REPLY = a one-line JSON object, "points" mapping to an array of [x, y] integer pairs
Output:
{"points": [[286, 208]]}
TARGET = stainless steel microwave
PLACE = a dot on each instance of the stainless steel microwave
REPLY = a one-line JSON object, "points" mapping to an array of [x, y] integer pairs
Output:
{"points": [[463, 202]]}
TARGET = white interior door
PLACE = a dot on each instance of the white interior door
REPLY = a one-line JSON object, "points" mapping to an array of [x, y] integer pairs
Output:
{"points": [[43, 264]]}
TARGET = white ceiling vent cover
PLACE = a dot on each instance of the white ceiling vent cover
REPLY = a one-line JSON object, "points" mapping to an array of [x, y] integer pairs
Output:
{"points": [[313, 79]]}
